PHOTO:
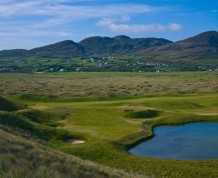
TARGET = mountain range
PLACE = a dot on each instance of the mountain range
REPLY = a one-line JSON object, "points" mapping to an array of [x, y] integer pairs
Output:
{"points": [[204, 45]]}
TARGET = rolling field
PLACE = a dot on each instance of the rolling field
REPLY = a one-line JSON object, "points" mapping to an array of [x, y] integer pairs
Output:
{"points": [[111, 112], [100, 86]]}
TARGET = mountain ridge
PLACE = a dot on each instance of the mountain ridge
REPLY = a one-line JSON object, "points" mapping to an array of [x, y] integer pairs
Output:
{"points": [[90, 46], [120, 53], [201, 45]]}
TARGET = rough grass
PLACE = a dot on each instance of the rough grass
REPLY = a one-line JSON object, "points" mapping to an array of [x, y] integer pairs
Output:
{"points": [[102, 123], [22, 123], [20, 157], [7, 105], [89, 86], [46, 116]]}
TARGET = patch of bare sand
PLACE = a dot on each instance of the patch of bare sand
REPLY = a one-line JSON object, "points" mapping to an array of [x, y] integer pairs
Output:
{"points": [[75, 142]]}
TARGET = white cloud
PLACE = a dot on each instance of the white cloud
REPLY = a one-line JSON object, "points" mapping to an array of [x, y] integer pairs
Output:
{"points": [[136, 28], [23, 18], [105, 22], [8, 9], [125, 18], [58, 8], [125, 28], [54, 19], [174, 26], [39, 16], [26, 33], [57, 12], [64, 34]]}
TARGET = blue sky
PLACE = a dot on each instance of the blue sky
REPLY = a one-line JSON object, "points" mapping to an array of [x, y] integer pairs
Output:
{"points": [[31, 23]]}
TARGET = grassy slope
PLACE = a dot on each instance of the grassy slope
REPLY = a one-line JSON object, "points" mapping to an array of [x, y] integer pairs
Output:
{"points": [[20, 157], [108, 132], [8, 105]]}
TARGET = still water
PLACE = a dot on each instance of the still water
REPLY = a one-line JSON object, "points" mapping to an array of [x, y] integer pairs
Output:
{"points": [[189, 142]]}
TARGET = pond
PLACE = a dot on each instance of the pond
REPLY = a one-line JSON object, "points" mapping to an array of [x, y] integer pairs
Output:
{"points": [[197, 141]]}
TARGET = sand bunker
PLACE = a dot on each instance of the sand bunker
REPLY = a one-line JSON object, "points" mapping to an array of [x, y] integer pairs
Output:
{"points": [[72, 141]]}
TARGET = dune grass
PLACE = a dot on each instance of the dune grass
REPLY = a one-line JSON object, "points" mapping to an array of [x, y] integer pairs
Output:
{"points": [[111, 125], [8, 105], [20, 157], [100, 86]]}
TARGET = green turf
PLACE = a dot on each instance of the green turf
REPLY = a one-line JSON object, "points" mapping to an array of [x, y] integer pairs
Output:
{"points": [[111, 126]]}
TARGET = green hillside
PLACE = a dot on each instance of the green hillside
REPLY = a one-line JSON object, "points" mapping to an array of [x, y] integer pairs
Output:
{"points": [[8, 105], [117, 54], [21, 157]]}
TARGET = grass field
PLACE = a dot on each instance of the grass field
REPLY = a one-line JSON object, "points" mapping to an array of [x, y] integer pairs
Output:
{"points": [[89, 86], [111, 113]]}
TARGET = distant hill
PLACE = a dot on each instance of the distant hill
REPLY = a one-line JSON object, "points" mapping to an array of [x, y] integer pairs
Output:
{"points": [[199, 46], [119, 45], [120, 53], [13, 53], [97, 46], [204, 45], [66, 48]]}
